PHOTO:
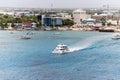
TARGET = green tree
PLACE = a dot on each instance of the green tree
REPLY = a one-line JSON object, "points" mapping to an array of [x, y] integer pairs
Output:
{"points": [[4, 19], [109, 24], [67, 22], [6, 16], [103, 21], [17, 20]]}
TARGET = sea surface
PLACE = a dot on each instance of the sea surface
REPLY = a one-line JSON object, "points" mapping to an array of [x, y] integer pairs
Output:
{"points": [[94, 56]]}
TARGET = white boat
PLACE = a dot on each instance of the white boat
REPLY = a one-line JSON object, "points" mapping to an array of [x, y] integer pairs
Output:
{"points": [[117, 36], [61, 48], [25, 37]]}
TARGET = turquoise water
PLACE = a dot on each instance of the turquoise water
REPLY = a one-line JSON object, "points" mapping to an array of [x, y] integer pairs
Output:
{"points": [[94, 56]]}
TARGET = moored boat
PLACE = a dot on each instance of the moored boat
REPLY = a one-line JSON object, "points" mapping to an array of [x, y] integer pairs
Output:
{"points": [[117, 36]]}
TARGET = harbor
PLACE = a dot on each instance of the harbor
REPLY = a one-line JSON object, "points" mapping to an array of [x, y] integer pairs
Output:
{"points": [[92, 53], [59, 40]]}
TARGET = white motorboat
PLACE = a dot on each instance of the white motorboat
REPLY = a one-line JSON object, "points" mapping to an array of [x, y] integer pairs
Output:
{"points": [[61, 48], [25, 37], [117, 36]]}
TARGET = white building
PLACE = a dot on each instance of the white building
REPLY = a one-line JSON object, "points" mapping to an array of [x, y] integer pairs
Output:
{"points": [[78, 16], [65, 16]]}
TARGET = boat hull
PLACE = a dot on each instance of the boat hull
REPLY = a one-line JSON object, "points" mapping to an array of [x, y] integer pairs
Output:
{"points": [[60, 52], [116, 38]]}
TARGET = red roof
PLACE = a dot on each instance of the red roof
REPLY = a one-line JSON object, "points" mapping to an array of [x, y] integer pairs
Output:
{"points": [[26, 23]]}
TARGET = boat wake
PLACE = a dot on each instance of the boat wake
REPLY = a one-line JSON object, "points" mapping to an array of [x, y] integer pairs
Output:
{"points": [[86, 43]]}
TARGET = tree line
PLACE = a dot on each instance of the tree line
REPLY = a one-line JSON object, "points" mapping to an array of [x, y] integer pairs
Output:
{"points": [[5, 19]]}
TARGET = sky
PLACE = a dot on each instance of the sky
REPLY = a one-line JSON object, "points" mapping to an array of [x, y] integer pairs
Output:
{"points": [[59, 3]]}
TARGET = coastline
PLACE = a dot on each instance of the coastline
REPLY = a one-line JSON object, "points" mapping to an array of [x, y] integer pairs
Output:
{"points": [[100, 29]]}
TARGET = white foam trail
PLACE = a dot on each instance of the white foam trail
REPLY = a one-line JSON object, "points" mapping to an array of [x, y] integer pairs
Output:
{"points": [[82, 44], [77, 48]]}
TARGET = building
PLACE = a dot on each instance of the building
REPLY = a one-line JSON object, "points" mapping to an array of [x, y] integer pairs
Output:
{"points": [[65, 16], [112, 12], [101, 16], [27, 25], [107, 14], [51, 21], [91, 23], [78, 16], [51, 14], [113, 22]]}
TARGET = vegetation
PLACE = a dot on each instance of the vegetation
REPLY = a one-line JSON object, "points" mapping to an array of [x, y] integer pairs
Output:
{"points": [[103, 21], [4, 19], [109, 24], [67, 22]]}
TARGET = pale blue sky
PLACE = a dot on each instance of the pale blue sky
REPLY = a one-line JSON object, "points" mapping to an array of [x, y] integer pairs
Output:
{"points": [[59, 3]]}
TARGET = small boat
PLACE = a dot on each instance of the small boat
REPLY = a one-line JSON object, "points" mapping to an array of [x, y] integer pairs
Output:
{"points": [[25, 37], [61, 48], [117, 36]]}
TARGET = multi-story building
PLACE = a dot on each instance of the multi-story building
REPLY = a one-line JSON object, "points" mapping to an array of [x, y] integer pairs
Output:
{"points": [[78, 16], [51, 21]]}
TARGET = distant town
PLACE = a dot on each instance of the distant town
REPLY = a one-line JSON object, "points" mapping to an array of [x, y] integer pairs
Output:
{"points": [[99, 19]]}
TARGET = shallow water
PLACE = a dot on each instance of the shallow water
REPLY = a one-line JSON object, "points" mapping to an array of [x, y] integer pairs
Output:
{"points": [[94, 56]]}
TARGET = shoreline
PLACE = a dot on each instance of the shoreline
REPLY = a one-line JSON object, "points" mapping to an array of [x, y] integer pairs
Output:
{"points": [[99, 29]]}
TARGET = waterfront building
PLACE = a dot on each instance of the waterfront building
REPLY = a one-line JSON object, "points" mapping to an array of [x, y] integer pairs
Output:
{"points": [[78, 16], [91, 23], [27, 25], [51, 21]]}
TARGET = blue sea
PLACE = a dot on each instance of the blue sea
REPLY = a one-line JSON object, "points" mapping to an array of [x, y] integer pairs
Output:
{"points": [[94, 56]]}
